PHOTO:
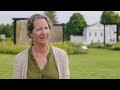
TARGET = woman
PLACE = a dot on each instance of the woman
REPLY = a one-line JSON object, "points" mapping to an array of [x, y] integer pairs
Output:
{"points": [[41, 60]]}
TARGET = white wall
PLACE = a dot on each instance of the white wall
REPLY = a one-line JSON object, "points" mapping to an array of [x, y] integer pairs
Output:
{"points": [[119, 38], [95, 39], [98, 29], [77, 39], [110, 35]]}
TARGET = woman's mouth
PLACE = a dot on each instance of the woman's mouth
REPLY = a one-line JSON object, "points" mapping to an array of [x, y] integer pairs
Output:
{"points": [[43, 38]]}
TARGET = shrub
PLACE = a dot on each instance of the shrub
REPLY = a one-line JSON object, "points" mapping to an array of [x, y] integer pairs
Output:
{"points": [[69, 47], [10, 48]]}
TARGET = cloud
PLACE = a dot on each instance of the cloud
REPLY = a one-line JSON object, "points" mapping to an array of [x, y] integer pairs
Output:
{"points": [[91, 17]]}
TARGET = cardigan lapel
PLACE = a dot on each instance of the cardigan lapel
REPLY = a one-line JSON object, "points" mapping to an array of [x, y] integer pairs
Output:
{"points": [[57, 60]]}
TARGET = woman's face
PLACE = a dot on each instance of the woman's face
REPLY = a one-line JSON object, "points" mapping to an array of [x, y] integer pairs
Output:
{"points": [[40, 32]]}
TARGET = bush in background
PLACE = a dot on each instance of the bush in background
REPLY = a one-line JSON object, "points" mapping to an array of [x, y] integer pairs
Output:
{"points": [[106, 46], [10, 48], [70, 48]]}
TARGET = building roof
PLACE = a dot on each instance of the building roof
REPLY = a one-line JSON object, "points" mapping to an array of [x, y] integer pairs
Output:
{"points": [[93, 25]]}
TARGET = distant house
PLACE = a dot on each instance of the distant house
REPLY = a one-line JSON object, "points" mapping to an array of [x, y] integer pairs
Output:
{"points": [[21, 37], [2, 37], [97, 33]]}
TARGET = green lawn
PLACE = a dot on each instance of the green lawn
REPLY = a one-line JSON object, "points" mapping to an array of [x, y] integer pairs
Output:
{"points": [[97, 64], [6, 66]]}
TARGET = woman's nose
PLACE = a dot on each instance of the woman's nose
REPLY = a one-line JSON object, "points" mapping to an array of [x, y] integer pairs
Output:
{"points": [[43, 31]]}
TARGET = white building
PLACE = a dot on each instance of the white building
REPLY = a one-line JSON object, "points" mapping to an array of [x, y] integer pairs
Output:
{"points": [[95, 34], [2, 37]]}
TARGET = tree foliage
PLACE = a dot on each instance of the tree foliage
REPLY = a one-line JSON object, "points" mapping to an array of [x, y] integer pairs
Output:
{"points": [[7, 30], [74, 26], [110, 17], [52, 16]]}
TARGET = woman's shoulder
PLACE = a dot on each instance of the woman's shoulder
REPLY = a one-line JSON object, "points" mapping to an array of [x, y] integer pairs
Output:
{"points": [[23, 53], [22, 56], [58, 50]]}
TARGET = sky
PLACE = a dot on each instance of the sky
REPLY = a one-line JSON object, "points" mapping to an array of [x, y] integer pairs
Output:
{"points": [[91, 17]]}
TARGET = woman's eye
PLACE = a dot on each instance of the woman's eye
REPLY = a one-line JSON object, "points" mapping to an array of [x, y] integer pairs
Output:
{"points": [[46, 28], [39, 29]]}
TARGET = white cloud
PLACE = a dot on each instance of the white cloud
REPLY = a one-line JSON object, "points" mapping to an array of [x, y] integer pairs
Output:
{"points": [[63, 16]]}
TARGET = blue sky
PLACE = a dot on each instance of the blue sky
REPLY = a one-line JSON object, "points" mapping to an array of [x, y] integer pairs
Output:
{"points": [[91, 17]]}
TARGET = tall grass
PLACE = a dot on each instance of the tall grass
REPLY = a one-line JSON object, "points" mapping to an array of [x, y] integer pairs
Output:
{"points": [[10, 48]]}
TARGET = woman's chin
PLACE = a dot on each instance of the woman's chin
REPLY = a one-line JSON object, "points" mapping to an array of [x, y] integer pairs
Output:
{"points": [[44, 42]]}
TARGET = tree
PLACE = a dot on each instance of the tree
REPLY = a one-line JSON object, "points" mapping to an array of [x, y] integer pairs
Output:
{"points": [[52, 16], [74, 26], [110, 17], [7, 30]]}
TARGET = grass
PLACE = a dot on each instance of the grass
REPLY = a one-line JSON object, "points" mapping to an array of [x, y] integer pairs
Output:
{"points": [[97, 64], [6, 66]]}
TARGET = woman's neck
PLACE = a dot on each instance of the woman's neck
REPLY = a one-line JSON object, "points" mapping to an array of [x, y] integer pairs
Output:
{"points": [[41, 49]]}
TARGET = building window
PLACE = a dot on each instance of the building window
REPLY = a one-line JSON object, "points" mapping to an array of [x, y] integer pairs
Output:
{"points": [[91, 41], [83, 33], [101, 34], [95, 33], [89, 33], [98, 41]]}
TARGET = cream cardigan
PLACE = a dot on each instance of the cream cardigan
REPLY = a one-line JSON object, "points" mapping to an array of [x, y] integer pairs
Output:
{"points": [[21, 64]]}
